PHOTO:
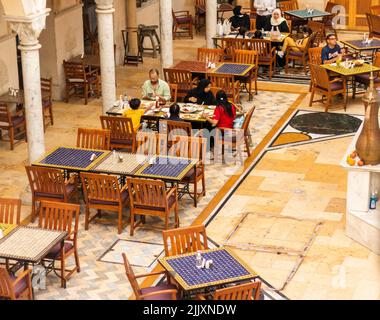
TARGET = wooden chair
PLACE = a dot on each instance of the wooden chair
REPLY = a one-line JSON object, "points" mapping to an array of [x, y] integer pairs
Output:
{"points": [[79, 82], [150, 197], [182, 20], [211, 55], [248, 57], [328, 21], [315, 57], [161, 292], [253, 25], [185, 240], [364, 79], [299, 55], [175, 128], [47, 101], [267, 54], [234, 138], [151, 143], [322, 84], [228, 83], [243, 292], [16, 288], [192, 148], [288, 5], [97, 139], [122, 134], [182, 78], [15, 125], [229, 45], [200, 14], [373, 25], [62, 217], [10, 211], [50, 185], [375, 10], [173, 92], [102, 192], [319, 29]]}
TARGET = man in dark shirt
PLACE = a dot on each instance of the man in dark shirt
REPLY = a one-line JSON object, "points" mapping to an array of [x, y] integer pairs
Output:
{"points": [[332, 51]]}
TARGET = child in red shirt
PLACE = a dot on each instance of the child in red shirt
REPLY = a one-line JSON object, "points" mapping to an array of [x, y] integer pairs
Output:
{"points": [[225, 112]]}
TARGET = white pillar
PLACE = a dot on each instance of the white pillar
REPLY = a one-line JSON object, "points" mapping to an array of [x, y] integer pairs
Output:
{"points": [[166, 24], [105, 10], [29, 29], [132, 23], [211, 21]]}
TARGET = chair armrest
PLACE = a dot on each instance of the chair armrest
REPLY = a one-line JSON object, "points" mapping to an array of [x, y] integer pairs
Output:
{"points": [[182, 11], [150, 274], [20, 112], [92, 73], [171, 191], [22, 275], [336, 80], [173, 292], [200, 297], [72, 180], [124, 188]]}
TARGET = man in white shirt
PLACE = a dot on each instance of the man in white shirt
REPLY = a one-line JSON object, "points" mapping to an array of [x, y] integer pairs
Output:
{"points": [[265, 9]]}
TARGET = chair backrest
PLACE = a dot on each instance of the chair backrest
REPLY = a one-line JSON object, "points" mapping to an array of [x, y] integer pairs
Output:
{"points": [[174, 91], [261, 46], [253, 25], [247, 121], [315, 55], [375, 10], [246, 57], [224, 81], [5, 115], [189, 147], [98, 139], [147, 193], [46, 180], [184, 240], [175, 128], [376, 62], [131, 277], [10, 211], [242, 292], [60, 216], [74, 71], [373, 23], [182, 78], [319, 76], [120, 128], [317, 28], [288, 5], [211, 55], [47, 87], [200, 2], [100, 187], [6, 287], [151, 143], [229, 45]]}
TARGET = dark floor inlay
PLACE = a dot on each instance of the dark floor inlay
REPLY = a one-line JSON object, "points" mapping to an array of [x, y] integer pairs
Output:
{"points": [[326, 123]]}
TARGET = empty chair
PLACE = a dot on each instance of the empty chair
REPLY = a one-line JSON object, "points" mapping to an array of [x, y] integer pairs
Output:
{"points": [[150, 197], [183, 23], [14, 124], [10, 211], [79, 82], [122, 135], [227, 83], [102, 192], [151, 143], [47, 101], [182, 78], [62, 217], [373, 25], [185, 240], [50, 185], [16, 288], [210, 55], [322, 85], [243, 292], [315, 55], [97, 139], [161, 292], [248, 57], [365, 77], [375, 10], [267, 53], [175, 128], [229, 45]]}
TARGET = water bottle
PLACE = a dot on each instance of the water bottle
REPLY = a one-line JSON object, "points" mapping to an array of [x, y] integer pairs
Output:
{"points": [[198, 260], [373, 201]]}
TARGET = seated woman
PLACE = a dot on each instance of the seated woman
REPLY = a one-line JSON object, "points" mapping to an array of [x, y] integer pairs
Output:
{"points": [[298, 45], [202, 94], [174, 112], [240, 20], [277, 22], [135, 113], [225, 112]]}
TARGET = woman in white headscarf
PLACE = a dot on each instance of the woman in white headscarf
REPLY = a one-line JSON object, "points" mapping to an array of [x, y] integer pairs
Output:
{"points": [[277, 22]]}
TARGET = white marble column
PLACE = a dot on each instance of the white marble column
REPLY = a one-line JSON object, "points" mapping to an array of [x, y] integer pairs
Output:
{"points": [[105, 11], [29, 29], [211, 21], [166, 24], [132, 23]]}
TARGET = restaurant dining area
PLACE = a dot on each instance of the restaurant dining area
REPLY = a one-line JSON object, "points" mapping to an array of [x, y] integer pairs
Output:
{"points": [[189, 150]]}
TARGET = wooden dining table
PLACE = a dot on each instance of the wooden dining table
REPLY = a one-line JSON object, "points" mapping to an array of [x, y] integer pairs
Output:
{"points": [[19, 98]]}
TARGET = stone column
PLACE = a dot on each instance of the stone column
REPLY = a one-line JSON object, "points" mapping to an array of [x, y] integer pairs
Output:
{"points": [[29, 29], [105, 10], [132, 23], [211, 21], [166, 24]]}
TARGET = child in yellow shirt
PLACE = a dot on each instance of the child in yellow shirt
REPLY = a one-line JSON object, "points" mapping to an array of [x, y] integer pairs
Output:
{"points": [[135, 113]]}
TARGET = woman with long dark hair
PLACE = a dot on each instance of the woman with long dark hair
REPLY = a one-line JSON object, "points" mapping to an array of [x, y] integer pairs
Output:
{"points": [[225, 112], [201, 94]]}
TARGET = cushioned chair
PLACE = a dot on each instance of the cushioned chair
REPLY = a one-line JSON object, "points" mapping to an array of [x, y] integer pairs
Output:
{"points": [[365, 78], [62, 217], [183, 21], [16, 288], [161, 292], [14, 124]]}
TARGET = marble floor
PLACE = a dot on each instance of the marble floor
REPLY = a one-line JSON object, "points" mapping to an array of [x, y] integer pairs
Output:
{"points": [[286, 218]]}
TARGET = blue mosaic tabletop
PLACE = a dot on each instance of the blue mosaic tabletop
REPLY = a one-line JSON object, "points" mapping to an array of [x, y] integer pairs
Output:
{"points": [[231, 68], [71, 158], [226, 269]]}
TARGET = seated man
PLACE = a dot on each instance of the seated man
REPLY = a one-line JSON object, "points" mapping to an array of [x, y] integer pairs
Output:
{"points": [[332, 52], [156, 88], [135, 113]]}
